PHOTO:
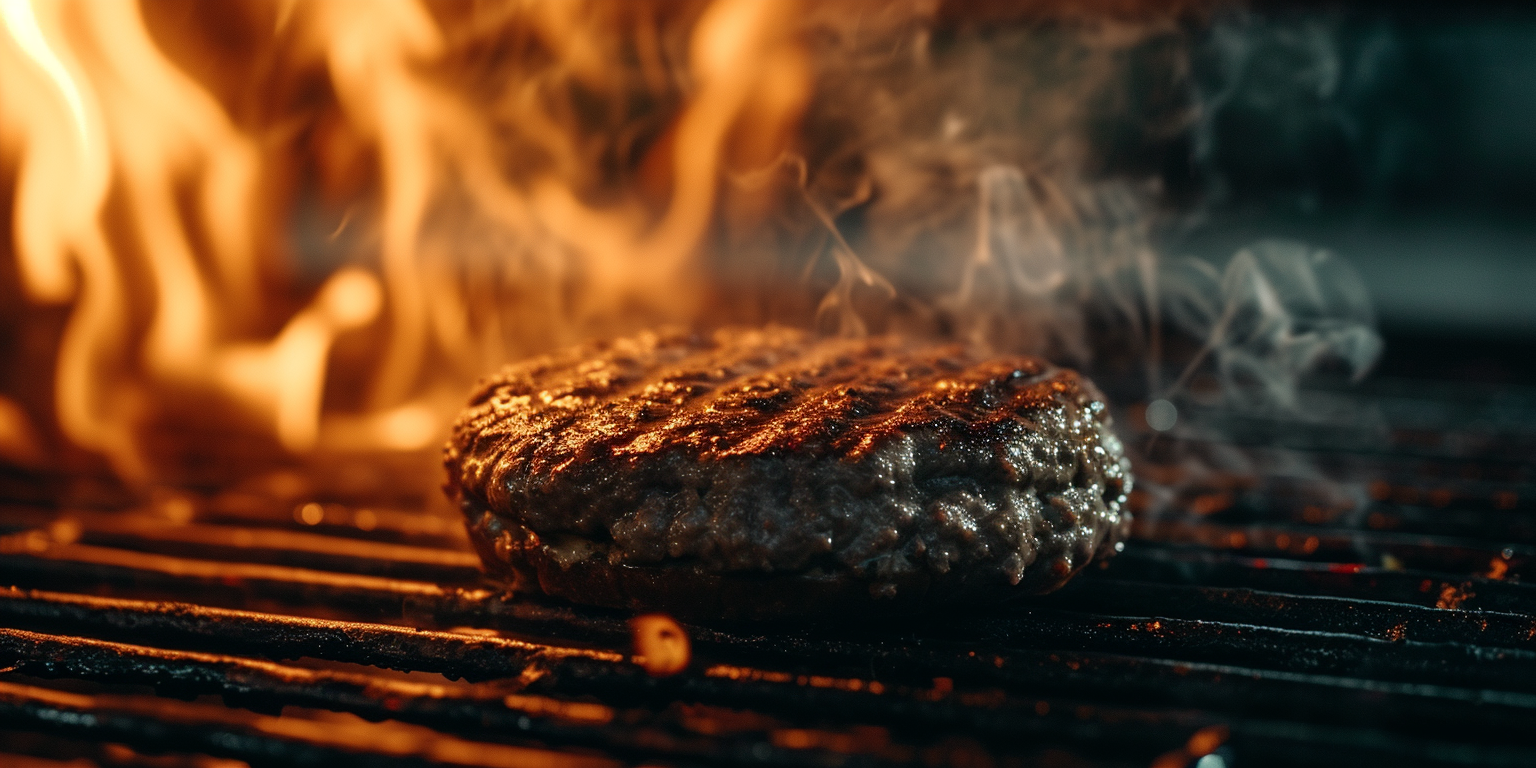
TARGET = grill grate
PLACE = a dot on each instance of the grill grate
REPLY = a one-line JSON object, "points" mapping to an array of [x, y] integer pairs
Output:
{"points": [[1278, 620]]}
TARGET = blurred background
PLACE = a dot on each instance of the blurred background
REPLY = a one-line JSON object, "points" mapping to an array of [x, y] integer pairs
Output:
{"points": [[1398, 134]]}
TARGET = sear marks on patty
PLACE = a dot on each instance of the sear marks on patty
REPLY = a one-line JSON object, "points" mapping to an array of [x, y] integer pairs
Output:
{"points": [[618, 473]]}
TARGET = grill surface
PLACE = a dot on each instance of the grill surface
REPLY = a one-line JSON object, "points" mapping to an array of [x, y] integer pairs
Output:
{"points": [[1349, 589]]}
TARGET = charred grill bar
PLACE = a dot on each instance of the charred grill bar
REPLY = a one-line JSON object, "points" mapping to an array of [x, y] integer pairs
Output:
{"points": [[1255, 626]]}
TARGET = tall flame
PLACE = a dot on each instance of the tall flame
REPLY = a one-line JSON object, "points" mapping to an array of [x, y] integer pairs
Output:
{"points": [[61, 185], [145, 206]]}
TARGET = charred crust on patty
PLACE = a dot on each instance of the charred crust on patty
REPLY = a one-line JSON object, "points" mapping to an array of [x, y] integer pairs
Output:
{"points": [[754, 473]]}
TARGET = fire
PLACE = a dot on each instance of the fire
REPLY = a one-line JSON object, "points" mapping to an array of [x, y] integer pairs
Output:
{"points": [[154, 211], [310, 236]]}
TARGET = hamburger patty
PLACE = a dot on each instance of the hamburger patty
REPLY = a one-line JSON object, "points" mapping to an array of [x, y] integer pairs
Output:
{"points": [[763, 472]]}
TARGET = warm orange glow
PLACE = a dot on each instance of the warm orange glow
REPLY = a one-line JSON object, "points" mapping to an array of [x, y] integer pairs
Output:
{"points": [[61, 184], [22, 23], [285, 376], [18, 439], [145, 205], [661, 646], [135, 121]]}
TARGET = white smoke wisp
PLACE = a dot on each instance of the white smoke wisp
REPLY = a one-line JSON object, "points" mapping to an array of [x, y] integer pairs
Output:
{"points": [[1277, 311], [987, 202], [1049, 256], [995, 195]]}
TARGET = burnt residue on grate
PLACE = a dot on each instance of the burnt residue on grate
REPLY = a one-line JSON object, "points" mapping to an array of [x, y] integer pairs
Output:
{"points": [[1258, 624]]}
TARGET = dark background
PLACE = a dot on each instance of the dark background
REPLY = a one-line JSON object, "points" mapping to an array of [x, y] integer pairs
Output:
{"points": [[1399, 135]]}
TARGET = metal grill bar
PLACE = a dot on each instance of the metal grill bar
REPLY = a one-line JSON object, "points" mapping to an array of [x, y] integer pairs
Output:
{"points": [[264, 686], [160, 725], [1367, 618], [275, 636], [1153, 562], [488, 710], [1266, 626]]}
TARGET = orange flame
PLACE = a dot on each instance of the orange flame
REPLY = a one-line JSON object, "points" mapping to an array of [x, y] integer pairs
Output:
{"points": [[145, 205]]}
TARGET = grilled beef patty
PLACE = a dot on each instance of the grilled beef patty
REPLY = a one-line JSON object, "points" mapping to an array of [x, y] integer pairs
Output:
{"points": [[761, 473]]}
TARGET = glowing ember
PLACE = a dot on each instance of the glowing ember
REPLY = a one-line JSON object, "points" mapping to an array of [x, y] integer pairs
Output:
{"points": [[661, 646]]}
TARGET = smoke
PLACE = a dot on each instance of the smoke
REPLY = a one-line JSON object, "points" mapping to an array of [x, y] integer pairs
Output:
{"points": [[1276, 312], [1005, 178], [397, 197]]}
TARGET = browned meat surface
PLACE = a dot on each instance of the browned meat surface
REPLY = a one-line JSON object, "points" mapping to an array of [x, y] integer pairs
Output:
{"points": [[765, 473]]}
